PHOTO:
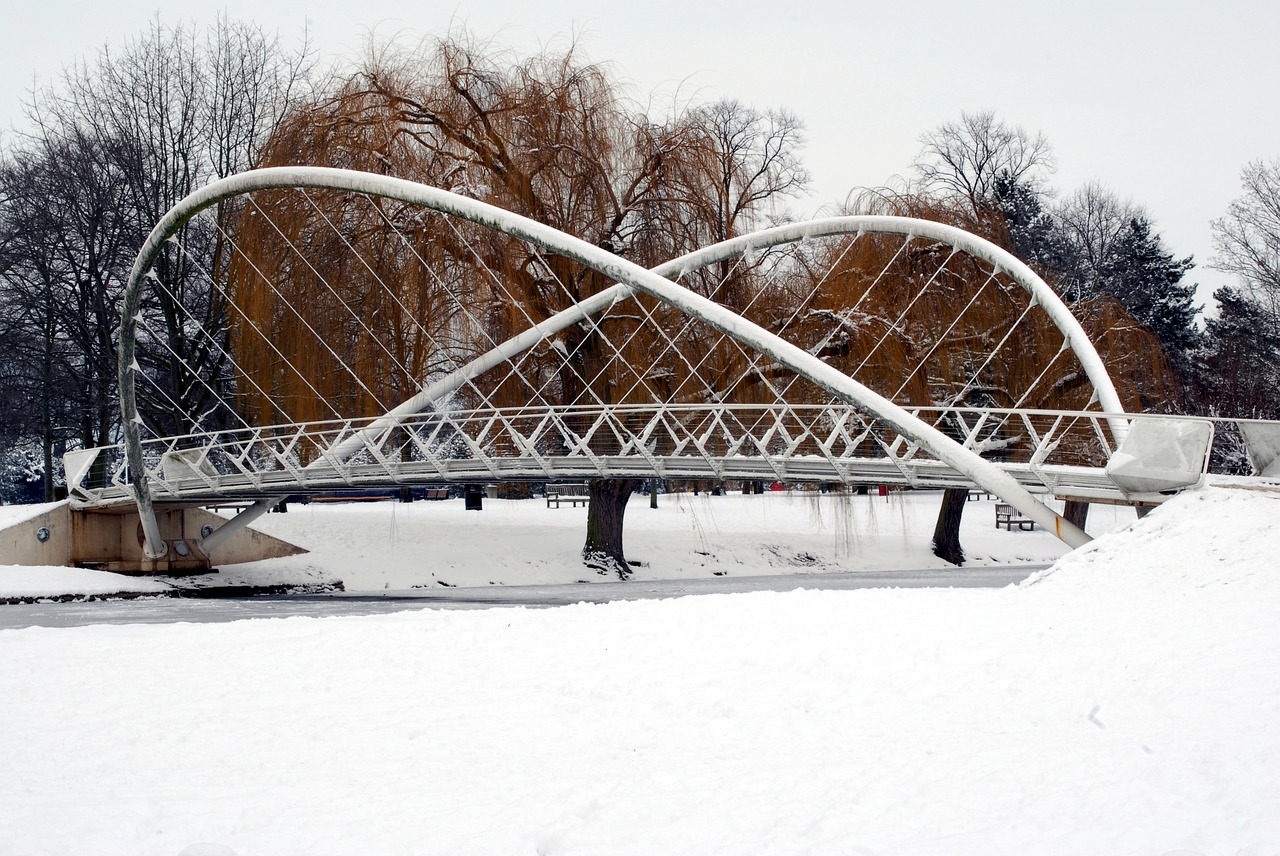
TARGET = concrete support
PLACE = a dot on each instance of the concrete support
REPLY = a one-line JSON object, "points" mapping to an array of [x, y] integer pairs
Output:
{"points": [[112, 540]]}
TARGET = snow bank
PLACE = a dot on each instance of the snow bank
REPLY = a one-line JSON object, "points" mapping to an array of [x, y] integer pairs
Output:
{"points": [[11, 515], [1123, 703], [1228, 530], [34, 581]]}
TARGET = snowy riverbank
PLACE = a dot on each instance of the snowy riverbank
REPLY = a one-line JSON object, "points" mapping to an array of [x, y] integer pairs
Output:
{"points": [[1123, 702], [387, 546]]}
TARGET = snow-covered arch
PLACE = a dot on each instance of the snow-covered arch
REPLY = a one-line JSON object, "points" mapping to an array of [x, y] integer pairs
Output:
{"points": [[630, 278]]}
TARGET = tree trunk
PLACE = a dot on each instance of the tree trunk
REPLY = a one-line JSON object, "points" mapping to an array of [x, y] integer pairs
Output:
{"points": [[46, 416], [605, 510], [946, 534], [46, 444], [1076, 512]]}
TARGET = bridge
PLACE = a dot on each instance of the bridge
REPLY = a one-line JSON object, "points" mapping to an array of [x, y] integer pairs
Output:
{"points": [[299, 330]]}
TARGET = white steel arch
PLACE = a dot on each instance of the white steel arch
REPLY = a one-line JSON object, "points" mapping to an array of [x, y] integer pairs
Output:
{"points": [[630, 278]]}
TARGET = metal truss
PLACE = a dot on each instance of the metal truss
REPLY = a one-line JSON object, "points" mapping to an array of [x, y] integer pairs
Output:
{"points": [[1062, 453]]}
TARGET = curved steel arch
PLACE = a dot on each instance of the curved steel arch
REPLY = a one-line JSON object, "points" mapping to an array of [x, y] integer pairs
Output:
{"points": [[978, 247], [630, 277]]}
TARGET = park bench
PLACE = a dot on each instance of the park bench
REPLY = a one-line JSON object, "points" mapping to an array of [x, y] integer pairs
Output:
{"points": [[570, 493], [356, 496], [1009, 517], [977, 494], [237, 507]]}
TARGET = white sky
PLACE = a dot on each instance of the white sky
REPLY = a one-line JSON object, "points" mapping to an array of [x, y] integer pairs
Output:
{"points": [[1163, 102]]}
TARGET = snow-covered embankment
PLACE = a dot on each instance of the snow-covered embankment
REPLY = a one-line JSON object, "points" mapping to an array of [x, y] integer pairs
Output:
{"points": [[1124, 702]]}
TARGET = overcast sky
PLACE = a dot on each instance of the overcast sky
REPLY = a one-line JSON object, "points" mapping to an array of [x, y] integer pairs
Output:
{"points": [[1162, 102]]}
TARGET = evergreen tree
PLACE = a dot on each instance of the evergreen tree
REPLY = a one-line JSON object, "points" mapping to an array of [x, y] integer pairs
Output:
{"points": [[1087, 224], [1239, 365], [1146, 278], [1032, 233]]}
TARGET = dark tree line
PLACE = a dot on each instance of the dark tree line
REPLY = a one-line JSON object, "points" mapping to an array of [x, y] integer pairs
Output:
{"points": [[104, 152]]}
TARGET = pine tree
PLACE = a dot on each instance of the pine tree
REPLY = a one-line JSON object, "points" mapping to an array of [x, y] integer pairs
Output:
{"points": [[1239, 365], [1032, 236], [1146, 278]]}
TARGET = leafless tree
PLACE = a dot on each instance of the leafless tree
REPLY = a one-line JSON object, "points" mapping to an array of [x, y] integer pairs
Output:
{"points": [[174, 108], [1089, 222], [752, 162], [71, 241], [967, 158], [107, 150], [1247, 238]]}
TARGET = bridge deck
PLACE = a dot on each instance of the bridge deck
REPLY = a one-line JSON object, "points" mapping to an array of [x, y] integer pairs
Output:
{"points": [[1063, 481], [1064, 454]]}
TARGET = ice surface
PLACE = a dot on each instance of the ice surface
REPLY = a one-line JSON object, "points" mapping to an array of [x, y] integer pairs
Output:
{"points": [[375, 547]]}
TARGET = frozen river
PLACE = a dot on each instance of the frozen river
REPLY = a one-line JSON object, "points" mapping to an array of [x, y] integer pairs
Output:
{"points": [[164, 610]]}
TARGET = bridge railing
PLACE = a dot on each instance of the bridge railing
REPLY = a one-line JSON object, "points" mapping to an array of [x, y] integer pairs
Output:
{"points": [[1063, 452]]}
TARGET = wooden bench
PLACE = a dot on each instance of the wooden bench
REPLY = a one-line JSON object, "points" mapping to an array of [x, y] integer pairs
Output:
{"points": [[1011, 517], [356, 496], [570, 493], [237, 507], [977, 494]]}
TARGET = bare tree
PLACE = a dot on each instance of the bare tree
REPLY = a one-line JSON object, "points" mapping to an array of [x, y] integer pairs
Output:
{"points": [[110, 147], [71, 243], [1089, 222], [17, 422], [1247, 238], [172, 109], [751, 161], [968, 157]]}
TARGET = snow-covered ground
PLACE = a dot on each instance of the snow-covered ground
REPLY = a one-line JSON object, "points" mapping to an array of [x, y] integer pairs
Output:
{"points": [[385, 546], [17, 582], [1123, 702]]}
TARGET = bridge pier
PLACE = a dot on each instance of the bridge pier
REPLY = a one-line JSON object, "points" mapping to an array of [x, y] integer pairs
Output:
{"points": [[111, 539]]}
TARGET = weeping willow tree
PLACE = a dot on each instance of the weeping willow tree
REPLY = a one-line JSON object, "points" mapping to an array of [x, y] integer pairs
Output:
{"points": [[392, 296]]}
